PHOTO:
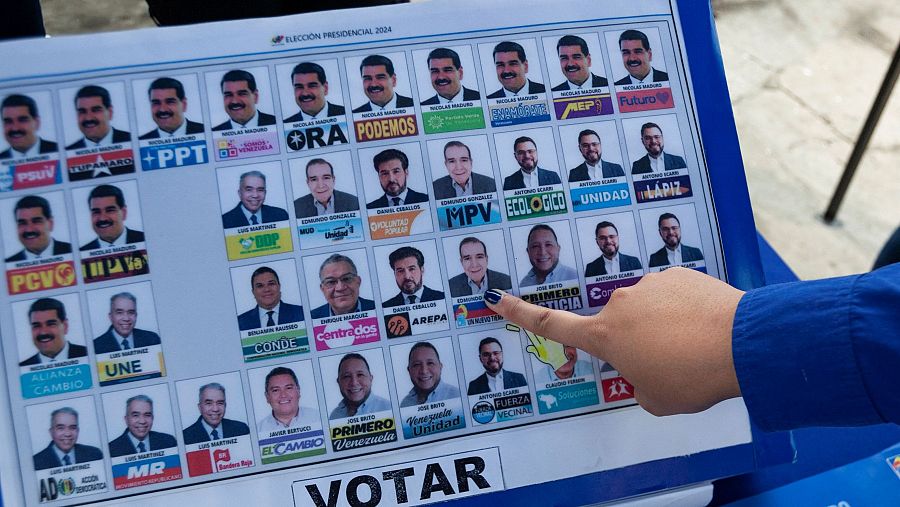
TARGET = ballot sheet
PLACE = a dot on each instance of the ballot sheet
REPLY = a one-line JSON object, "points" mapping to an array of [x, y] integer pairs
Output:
{"points": [[245, 262]]}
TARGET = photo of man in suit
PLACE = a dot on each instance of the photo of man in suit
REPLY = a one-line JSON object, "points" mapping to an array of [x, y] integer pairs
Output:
{"points": [[512, 71], [339, 281], [212, 423], [240, 97], [64, 449], [461, 180], [94, 111], [21, 123], [252, 210], [49, 326], [139, 436], [575, 63], [652, 139], [283, 395], [108, 215], [611, 261], [323, 199], [167, 107], [594, 168], [379, 80], [34, 227], [270, 310], [476, 278], [673, 252], [122, 335], [636, 56], [529, 175], [310, 90], [355, 383], [495, 378], [408, 265], [446, 73], [392, 166], [543, 254], [424, 367]]}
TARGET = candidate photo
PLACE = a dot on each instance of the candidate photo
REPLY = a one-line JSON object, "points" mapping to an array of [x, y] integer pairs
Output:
{"points": [[240, 97], [354, 379], [212, 424], [637, 57], [511, 65], [270, 310], [94, 113], [283, 396], [323, 198], [460, 179], [611, 261], [108, 214], [529, 174], [21, 123], [392, 167], [64, 449], [476, 277], [543, 254], [168, 105], [575, 64], [446, 72], [34, 230], [49, 327], [339, 281], [139, 436], [593, 168], [495, 378], [572, 368], [408, 265], [673, 252], [424, 367], [310, 93], [656, 160], [378, 82], [122, 333], [251, 208]]}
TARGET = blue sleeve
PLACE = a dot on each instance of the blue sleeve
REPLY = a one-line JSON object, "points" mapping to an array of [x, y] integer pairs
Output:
{"points": [[821, 353]]}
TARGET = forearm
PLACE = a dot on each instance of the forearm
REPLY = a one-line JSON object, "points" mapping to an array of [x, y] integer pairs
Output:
{"points": [[820, 353]]}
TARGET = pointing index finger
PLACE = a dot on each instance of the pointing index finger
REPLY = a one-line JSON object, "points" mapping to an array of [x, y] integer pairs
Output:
{"points": [[558, 325]]}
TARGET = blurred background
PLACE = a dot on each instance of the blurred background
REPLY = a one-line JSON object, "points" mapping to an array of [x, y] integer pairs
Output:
{"points": [[802, 76]]}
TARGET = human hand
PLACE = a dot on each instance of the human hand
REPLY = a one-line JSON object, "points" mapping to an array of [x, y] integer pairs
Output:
{"points": [[669, 336]]}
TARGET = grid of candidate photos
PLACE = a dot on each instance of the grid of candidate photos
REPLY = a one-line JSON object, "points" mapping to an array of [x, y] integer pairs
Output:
{"points": [[367, 202]]}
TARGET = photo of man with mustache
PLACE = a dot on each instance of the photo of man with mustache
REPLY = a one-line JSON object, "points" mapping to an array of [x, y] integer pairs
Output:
{"points": [[94, 111], [108, 214], [575, 63], [49, 327], [239, 95], [392, 166], [379, 80], [34, 225], [310, 89], [167, 107], [21, 122], [446, 71], [636, 57], [512, 70]]}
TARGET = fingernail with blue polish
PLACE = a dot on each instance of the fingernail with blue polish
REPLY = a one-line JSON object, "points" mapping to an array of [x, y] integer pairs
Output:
{"points": [[493, 296]]}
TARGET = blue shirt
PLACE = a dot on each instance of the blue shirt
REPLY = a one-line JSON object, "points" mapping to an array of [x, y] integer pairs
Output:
{"points": [[822, 352]]}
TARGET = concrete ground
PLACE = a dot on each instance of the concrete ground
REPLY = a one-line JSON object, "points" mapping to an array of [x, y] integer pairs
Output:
{"points": [[802, 76]]}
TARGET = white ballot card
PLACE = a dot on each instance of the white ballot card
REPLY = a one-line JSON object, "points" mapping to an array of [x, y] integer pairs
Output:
{"points": [[372, 173]]}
